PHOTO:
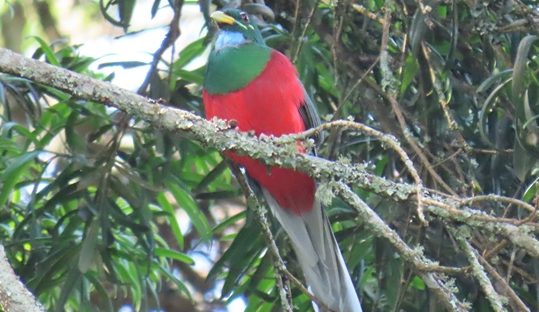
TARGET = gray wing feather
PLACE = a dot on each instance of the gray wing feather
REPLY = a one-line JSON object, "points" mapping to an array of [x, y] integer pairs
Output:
{"points": [[310, 117], [308, 112]]}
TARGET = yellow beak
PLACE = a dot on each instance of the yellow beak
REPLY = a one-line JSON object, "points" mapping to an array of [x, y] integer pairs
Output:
{"points": [[221, 18]]}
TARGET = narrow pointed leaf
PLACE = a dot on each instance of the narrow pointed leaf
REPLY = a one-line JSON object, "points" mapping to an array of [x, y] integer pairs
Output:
{"points": [[186, 202], [88, 249]]}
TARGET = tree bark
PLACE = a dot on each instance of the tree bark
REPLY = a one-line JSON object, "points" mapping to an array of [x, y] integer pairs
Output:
{"points": [[14, 296]]}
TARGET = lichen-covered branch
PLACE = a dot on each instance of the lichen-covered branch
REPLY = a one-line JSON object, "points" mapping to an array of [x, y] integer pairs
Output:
{"points": [[496, 301], [381, 229], [14, 297], [503, 287], [413, 256], [216, 134]]}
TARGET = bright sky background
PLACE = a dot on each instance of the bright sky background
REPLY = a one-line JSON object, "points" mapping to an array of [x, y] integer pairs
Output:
{"points": [[140, 47]]}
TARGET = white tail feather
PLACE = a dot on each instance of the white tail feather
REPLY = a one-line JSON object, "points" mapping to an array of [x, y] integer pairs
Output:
{"points": [[319, 256]]}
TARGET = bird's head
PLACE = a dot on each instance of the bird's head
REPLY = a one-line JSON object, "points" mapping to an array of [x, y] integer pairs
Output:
{"points": [[235, 28]]}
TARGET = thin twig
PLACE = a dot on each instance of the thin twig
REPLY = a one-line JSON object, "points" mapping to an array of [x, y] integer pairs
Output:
{"points": [[517, 234], [442, 99], [442, 289], [296, 18], [504, 287], [497, 198], [170, 38], [358, 82], [389, 80], [473, 214], [487, 254], [301, 38], [363, 11], [336, 113], [338, 21]]}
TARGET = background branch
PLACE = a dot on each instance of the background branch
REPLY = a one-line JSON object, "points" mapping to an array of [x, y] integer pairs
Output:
{"points": [[14, 297]]}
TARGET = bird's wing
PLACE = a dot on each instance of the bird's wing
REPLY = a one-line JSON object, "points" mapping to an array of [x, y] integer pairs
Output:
{"points": [[308, 112], [310, 117]]}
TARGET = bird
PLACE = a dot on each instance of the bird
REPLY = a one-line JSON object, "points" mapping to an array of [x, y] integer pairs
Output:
{"points": [[258, 90]]}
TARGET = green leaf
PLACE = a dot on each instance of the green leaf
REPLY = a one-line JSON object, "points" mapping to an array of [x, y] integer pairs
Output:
{"points": [[123, 64], [88, 249], [522, 160], [393, 273], [68, 286], [191, 51], [497, 76], [171, 217], [263, 275], [103, 8], [218, 195], [211, 176], [418, 283], [197, 217], [75, 142], [126, 8], [228, 222], [442, 11], [15, 169], [519, 73], [129, 275], [176, 281], [408, 74], [173, 254], [155, 7], [53, 264], [7, 127], [104, 295], [194, 76], [418, 29], [485, 110], [240, 256], [49, 54], [531, 191]]}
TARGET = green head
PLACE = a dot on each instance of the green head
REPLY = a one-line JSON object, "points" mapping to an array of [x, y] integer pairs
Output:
{"points": [[236, 26], [239, 53]]}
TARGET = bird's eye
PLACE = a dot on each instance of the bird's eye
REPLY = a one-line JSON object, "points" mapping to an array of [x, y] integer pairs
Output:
{"points": [[244, 17]]}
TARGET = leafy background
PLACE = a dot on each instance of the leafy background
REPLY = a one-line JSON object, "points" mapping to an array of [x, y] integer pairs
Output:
{"points": [[99, 211]]}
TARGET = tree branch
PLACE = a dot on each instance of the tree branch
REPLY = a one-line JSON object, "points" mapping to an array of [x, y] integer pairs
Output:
{"points": [[495, 299], [14, 297]]}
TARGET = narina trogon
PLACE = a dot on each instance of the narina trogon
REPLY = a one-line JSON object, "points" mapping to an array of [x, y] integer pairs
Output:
{"points": [[258, 88]]}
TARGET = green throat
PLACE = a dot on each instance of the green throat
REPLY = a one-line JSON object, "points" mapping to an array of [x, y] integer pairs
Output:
{"points": [[232, 68]]}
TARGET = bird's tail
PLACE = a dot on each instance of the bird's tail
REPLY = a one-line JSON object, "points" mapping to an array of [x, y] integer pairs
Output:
{"points": [[319, 256]]}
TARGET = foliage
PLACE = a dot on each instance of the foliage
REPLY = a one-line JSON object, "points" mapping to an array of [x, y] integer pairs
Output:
{"points": [[99, 210]]}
